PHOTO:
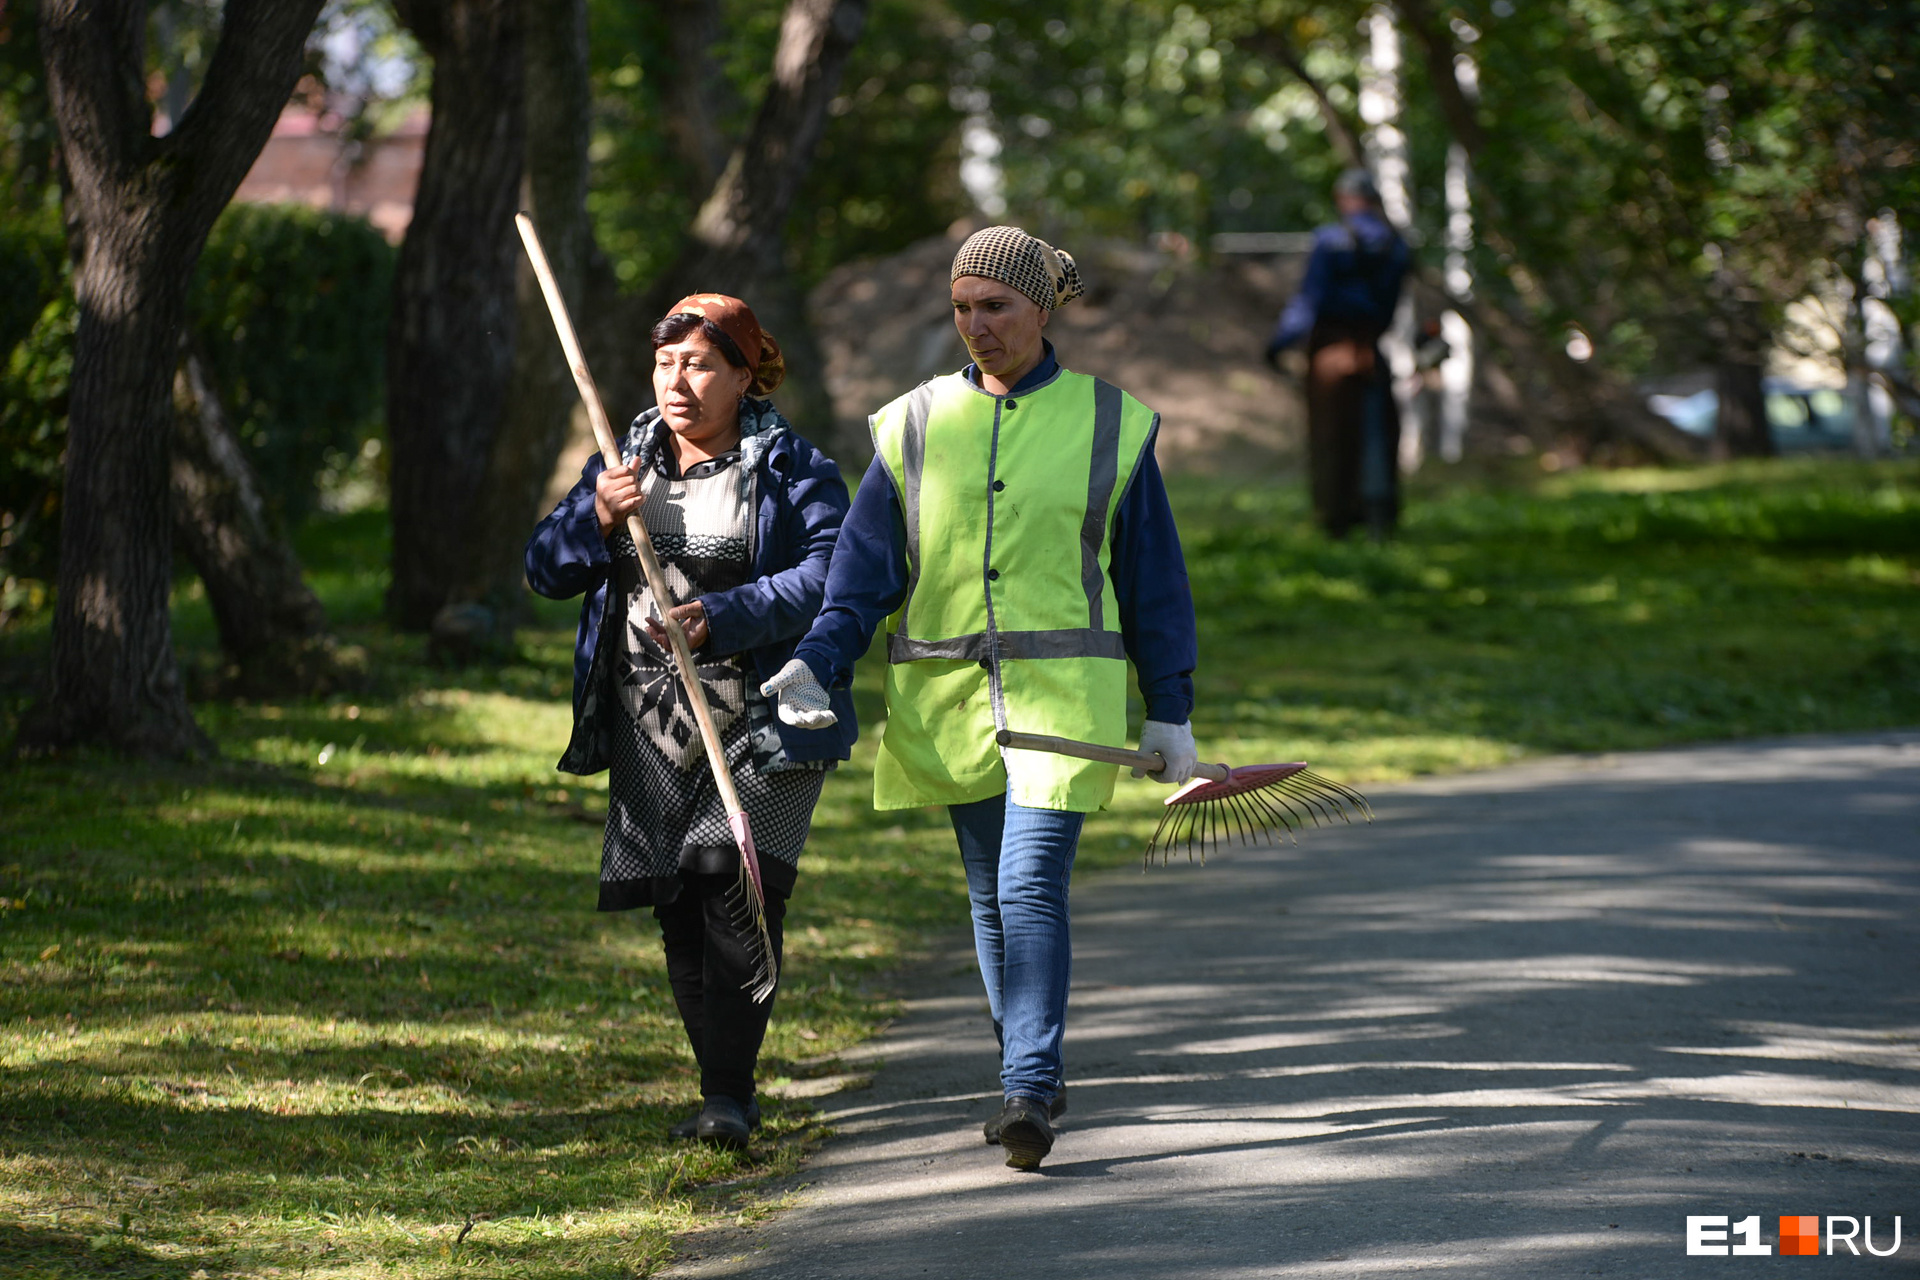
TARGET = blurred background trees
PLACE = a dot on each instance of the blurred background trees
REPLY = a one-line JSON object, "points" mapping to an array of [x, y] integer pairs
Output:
{"points": [[1607, 197]]}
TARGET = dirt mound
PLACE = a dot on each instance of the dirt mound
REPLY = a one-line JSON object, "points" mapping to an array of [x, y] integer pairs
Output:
{"points": [[1183, 337]]}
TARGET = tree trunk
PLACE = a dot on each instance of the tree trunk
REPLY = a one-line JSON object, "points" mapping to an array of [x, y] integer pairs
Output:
{"points": [[140, 208], [735, 244], [488, 594], [1741, 429], [699, 94], [272, 626], [450, 341]]}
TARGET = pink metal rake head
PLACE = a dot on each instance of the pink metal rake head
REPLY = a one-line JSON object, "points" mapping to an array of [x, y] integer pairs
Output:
{"points": [[1250, 805]]}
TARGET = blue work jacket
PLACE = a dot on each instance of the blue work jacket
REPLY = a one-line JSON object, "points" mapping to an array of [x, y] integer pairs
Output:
{"points": [[801, 503], [1353, 278]]}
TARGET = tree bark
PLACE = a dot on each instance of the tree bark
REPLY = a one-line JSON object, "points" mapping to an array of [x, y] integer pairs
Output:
{"points": [[735, 243], [699, 92], [1740, 429], [488, 593], [450, 341], [272, 626], [1742, 335], [140, 208]]}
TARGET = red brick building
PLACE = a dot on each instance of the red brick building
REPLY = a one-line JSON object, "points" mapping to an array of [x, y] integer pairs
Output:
{"points": [[309, 161]]}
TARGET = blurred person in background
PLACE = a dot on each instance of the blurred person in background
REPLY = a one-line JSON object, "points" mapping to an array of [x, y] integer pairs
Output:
{"points": [[743, 514], [1345, 303], [1014, 537]]}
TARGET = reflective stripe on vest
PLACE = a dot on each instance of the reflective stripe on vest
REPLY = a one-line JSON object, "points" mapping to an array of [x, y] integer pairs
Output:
{"points": [[1009, 620]]}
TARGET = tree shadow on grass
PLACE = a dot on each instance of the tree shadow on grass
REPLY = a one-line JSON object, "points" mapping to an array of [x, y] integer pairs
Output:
{"points": [[52, 1252]]}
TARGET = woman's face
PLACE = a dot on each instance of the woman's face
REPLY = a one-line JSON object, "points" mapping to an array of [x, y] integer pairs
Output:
{"points": [[1000, 325], [697, 390]]}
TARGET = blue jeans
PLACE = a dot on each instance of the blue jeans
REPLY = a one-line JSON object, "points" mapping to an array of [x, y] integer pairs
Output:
{"points": [[1019, 862]]}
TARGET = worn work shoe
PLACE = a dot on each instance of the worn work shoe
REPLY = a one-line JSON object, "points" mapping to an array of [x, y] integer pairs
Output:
{"points": [[724, 1123], [991, 1129], [689, 1129], [1026, 1133]]}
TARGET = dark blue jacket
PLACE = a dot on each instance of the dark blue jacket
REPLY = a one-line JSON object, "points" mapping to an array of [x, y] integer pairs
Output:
{"points": [[1353, 278], [869, 581], [802, 503]]}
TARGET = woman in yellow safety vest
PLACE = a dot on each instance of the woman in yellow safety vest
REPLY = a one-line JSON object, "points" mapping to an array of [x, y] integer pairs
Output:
{"points": [[1014, 537]]}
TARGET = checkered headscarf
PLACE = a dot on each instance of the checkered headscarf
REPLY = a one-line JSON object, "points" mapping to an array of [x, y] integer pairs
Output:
{"points": [[1007, 254]]}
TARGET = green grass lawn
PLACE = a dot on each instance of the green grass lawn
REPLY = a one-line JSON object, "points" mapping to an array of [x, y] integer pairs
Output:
{"points": [[338, 1004]]}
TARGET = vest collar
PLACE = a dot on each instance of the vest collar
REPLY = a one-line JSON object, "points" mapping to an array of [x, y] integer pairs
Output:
{"points": [[1041, 375]]}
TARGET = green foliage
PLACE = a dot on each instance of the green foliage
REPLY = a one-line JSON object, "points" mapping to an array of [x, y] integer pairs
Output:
{"points": [[643, 192], [36, 360], [1126, 119], [884, 172], [1658, 163], [32, 267], [27, 134], [290, 304], [887, 169], [33, 436]]}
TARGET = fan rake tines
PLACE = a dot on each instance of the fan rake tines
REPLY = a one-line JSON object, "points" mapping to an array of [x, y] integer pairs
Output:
{"points": [[1251, 805]]}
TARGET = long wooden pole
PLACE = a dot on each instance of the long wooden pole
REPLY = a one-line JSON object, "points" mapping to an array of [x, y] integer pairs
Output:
{"points": [[663, 594]]}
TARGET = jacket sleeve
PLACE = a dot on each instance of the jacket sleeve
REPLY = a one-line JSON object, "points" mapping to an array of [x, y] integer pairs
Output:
{"points": [[566, 554], [1296, 321], [867, 582], [1156, 604], [781, 605]]}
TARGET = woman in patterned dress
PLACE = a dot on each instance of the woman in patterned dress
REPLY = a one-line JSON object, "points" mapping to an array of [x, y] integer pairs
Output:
{"points": [[743, 513]]}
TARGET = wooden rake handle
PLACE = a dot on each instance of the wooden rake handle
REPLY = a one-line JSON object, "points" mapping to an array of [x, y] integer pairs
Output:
{"points": [[649, 562], [1151, 761]]}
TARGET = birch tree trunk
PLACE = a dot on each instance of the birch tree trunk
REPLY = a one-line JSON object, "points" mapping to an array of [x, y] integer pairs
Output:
{"points": [[139, 209]]}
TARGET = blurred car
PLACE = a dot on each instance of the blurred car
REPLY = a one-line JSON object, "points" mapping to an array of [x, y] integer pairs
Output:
{"points": [[1803, 419]]}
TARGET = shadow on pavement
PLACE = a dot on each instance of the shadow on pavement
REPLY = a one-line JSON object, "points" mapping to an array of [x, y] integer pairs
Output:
{"points": [[1522, 1026]]}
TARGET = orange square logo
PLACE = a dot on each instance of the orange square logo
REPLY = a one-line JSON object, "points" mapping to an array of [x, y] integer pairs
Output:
{"points": [[1799, 1235]]}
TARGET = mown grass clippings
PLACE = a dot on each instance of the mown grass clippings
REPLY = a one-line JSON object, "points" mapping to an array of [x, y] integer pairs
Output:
{"points": [[338, 1004]]}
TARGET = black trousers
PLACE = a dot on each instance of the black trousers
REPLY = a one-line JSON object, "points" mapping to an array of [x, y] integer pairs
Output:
{"points": [[709, 963], [1353, 431]]}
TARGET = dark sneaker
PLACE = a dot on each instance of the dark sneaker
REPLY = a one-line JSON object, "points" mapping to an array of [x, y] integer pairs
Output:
{"points": [[1026, 1133], [991, 1129], [724, 1123], [689, 1129]]}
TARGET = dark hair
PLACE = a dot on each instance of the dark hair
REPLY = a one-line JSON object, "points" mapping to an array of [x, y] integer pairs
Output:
{"points": [[676, 328]]}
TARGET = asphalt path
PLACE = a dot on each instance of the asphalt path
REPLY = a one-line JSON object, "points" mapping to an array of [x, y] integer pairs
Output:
{"points": [[1524, 1025]]}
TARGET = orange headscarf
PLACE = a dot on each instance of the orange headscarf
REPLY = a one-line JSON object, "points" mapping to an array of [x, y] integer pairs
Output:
{"points": [[736, 319]]}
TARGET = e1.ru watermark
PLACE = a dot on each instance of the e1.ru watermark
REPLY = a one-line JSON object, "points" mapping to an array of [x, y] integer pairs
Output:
{"points": [[1713, 1235]]}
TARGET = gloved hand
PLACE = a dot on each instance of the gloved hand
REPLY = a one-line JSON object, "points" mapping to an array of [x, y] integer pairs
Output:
{"points": [[799, 700], [1174, 742]]}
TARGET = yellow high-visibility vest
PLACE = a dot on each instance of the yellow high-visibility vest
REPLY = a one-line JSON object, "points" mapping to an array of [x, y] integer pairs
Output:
{"points": [[1010, 619]]}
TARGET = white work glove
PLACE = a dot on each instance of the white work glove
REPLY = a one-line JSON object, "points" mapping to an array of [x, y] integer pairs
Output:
{"points": [[1174, 742], [799, 699]]}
